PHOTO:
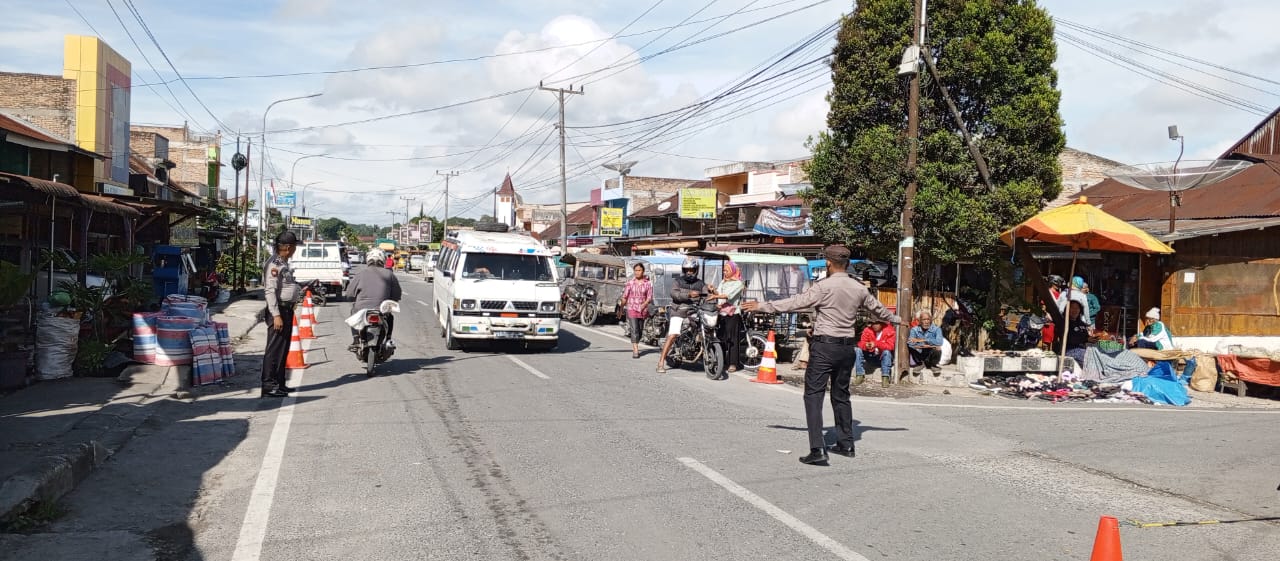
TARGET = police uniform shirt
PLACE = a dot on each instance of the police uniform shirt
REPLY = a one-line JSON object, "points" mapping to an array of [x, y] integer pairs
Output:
{"points": [[836, 301], [279, 286]]}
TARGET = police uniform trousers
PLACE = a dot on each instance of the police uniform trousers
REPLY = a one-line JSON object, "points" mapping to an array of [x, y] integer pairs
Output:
{"points": [[829, 362], [274, 358]]}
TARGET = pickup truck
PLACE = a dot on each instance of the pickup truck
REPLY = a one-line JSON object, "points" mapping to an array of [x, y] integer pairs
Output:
{"points": [[322, 261]]}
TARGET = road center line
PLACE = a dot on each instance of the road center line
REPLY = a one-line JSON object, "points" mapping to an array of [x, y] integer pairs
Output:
{"points": [[253, 530], [572, 327], [835, 547], [532, 370]]}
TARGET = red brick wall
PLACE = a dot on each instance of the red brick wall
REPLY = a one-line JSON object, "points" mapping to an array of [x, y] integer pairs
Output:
{"points": [[46, 101]]}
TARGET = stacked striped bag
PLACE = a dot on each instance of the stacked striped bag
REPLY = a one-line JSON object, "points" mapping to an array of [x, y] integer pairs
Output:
{"points": [[206, 359], [183, 333], [144, 337]]}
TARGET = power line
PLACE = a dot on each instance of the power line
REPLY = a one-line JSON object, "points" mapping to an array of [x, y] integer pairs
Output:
{"points": [[182, 109], [138, 15]]}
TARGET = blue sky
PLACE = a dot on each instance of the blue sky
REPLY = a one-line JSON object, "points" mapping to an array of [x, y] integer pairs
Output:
{"points": [[1108, 110]]}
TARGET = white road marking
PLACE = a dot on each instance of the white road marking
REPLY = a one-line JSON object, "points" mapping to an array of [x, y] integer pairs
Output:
{"points": [[424, 303], [253, 530], [823, 541], [532, 370], [564, 324]]}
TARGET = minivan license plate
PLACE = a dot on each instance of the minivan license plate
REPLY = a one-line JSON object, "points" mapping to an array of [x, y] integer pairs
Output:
{"points": [[508, 335]]}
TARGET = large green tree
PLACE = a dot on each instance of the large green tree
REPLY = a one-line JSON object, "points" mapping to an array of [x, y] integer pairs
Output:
{"points": [[996, 58]]}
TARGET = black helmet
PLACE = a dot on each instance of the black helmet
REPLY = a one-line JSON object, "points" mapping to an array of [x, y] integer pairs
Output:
{"points": [[690, 264], [1057, 280], [287, 237]]}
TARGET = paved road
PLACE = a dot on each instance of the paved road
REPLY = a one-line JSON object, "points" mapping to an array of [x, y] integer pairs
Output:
{"points": [[585, 453]]}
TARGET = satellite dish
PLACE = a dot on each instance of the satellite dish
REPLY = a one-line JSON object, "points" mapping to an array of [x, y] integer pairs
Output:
{"points": [[665, 205], [1177, 176]]}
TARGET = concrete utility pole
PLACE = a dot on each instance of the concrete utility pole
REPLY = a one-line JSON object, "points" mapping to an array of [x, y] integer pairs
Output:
{"points": [[445, 224], [564, 197], [906, 248], [407, 200]]}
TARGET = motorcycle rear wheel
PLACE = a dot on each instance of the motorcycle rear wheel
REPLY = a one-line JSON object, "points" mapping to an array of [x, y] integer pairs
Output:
{"points": [[713, 361], [370, 358]]}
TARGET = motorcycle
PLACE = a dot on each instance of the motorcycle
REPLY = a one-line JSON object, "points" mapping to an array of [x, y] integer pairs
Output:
{"points": [[577, 300], [654, 329], [698, 340], [375, 346], [751, 341]]}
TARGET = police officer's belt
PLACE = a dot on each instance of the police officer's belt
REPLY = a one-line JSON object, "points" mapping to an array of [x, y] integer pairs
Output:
{"points": [[835, 340]]}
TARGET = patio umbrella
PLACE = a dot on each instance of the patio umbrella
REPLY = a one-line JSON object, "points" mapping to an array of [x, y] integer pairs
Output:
{"points": [[1082, 226]]}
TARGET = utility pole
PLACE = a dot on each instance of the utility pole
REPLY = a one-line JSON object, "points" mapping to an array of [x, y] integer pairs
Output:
{"points": [[244, 216], [906, 248], [407, 200], [564, 202], [445, 224]]}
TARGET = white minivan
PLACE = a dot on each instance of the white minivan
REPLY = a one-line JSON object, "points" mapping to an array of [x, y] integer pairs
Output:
{"points": [[496, 286]]}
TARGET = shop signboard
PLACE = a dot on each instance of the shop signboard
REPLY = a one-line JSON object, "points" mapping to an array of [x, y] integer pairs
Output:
{"points": [[698, 204], [299, 221], [610, 221]]}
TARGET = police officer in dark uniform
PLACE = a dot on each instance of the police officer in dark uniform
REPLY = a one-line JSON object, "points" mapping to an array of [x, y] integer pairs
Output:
{"points": [[281, 293], [836, 301]]}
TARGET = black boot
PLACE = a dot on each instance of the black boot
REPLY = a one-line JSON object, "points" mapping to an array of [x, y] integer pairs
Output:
{"points": [[816, 457]]}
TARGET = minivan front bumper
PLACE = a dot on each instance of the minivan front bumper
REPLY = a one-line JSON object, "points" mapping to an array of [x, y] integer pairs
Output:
{"points": [[540, 327]]}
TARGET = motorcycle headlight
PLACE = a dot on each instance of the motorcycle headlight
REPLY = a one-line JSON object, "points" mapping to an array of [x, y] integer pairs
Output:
{"points": [[549, 306]]}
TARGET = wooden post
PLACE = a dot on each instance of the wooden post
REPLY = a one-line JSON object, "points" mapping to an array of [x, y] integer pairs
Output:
{"points": [[1042, 289]]}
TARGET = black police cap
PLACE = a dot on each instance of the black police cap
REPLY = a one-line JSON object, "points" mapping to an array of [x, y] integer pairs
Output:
{"points": [[287, 238]]}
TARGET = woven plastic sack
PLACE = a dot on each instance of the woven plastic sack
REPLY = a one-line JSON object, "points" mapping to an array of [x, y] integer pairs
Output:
{"points": [[57, 340]]}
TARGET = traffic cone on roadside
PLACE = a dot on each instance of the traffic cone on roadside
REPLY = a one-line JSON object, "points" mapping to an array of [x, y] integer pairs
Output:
{"points": [[311, 308], [767, 373], [296, 358], [307, 319], [1106, 546]]}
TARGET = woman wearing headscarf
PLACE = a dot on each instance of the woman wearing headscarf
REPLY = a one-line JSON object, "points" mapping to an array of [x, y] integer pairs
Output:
{"points": [[730, 292]]}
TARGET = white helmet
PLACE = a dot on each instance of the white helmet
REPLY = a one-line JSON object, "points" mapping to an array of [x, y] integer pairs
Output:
{"points": [[375, 257]]}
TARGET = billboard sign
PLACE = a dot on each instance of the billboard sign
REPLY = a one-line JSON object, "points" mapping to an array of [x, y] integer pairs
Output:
{"points": [[546, 216], [610, 221], [698, 204], [610, 194], [299, 221], [286, 199]]}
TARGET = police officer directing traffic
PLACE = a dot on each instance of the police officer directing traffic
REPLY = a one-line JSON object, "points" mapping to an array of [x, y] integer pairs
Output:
{"points": [[281, 293], [836, 301]]}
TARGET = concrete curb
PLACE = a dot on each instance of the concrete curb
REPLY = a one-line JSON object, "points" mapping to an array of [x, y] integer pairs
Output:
{"points": [[91, 443]]}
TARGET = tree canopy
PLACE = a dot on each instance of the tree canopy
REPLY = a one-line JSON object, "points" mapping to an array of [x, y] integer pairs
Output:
{"points": [[995, 58]]}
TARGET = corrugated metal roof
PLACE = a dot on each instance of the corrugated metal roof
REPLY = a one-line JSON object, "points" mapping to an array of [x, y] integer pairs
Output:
{"points": [[43, 185], [583, 215], [654, 210], [1254, 192], [1263, 139], [28, 130], [1203, 227], [103, 204]]}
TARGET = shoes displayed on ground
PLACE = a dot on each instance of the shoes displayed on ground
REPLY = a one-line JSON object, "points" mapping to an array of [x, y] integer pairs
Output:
{"points": [[859, 379], [816, 457], [847, 452]]}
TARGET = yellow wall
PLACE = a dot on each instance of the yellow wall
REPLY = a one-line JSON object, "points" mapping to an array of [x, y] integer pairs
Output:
{"points": [[103, 80]]}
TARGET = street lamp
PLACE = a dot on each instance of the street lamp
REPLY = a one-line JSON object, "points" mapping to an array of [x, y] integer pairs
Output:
{"points": [[262, 189]]}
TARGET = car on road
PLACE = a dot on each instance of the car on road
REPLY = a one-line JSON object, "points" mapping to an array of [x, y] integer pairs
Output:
{"points": [[492, 284], [417, 262], [325, 262]]}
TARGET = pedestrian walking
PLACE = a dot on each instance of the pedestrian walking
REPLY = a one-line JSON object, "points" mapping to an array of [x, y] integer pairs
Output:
{"points": [[836, 301], [281, 293], [636, 297]]}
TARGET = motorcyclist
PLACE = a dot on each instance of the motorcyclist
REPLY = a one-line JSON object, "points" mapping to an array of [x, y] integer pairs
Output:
{"points": [[687, 288], [370, 287]]}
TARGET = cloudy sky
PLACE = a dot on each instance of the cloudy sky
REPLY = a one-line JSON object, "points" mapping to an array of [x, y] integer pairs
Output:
{"points": [[385, 133]]}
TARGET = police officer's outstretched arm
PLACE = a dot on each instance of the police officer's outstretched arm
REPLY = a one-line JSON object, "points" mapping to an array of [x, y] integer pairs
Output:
{"points": [[803, 301], [873, 305]]}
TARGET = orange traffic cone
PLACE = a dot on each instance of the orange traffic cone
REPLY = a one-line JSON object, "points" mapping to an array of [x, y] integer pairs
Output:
{"points": [[296, 358], [311, 308], [767, 373], [306, 319], [1106, 546]]}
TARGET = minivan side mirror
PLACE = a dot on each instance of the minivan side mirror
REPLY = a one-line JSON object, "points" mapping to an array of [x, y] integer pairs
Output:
{"points": [[446, 273]]}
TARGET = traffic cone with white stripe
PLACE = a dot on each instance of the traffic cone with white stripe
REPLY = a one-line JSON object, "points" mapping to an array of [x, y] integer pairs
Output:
{"points": [[296, 358], [767, 373], [306, 319]]}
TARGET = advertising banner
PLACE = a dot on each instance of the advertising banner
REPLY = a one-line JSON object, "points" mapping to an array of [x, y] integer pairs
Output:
{"points": [[698, 204], [610, 222], [299, 221], [285, 199], [773, 223]]}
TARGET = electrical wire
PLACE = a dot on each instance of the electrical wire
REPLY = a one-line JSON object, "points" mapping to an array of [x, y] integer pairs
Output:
{"points": [[138, 15]]}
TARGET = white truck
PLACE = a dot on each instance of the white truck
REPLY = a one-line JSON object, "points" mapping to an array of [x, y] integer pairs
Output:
{"points": [[325, 262], [496, 285]]}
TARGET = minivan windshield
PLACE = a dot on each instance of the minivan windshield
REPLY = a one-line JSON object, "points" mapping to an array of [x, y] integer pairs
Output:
{"points": [[505, 266]]}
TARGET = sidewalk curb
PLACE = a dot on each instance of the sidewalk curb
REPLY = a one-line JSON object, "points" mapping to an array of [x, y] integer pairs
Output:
{"points": [[94, 440]]}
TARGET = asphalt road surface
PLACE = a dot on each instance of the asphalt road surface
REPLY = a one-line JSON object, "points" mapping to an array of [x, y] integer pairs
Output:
{"points": [[587, 454]]}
